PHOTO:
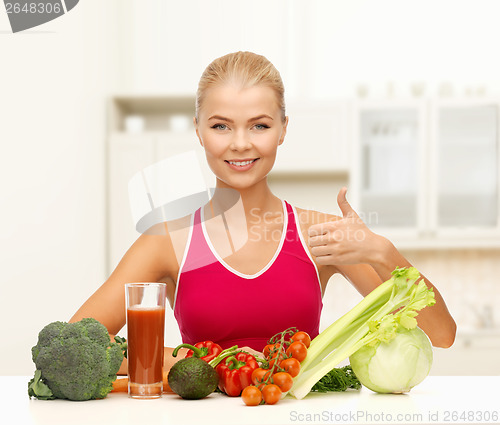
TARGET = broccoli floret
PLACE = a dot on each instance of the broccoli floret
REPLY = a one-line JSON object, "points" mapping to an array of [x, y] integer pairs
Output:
{"points": [[76, 361]]}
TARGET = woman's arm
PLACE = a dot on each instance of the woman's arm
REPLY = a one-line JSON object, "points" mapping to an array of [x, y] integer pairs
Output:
{"points": [[367, 259], [151, 258]]}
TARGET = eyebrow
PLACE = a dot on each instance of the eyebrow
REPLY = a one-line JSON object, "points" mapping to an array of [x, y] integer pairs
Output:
{"points": [[219, 117]]}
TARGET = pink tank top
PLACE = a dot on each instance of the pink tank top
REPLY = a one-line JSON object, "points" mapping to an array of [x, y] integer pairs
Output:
{"points": [[215, 302]]}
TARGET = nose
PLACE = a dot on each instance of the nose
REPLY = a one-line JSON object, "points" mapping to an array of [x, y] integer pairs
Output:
{"points": [[240, 142]]}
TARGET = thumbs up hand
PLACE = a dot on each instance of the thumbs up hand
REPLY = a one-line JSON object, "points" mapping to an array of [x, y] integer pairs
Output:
{"points": [[344, 205], [345, 240]]}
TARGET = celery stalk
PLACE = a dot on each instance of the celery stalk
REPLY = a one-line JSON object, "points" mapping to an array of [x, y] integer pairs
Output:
{"points": [[393, 303]]}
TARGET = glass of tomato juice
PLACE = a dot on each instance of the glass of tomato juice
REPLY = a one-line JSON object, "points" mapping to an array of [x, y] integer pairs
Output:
{"points": [[145, 329]]}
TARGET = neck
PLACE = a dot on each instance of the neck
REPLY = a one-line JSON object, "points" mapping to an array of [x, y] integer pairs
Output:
{"points": [[257, 199]]}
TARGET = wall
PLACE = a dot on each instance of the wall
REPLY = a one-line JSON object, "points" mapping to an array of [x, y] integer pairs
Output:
{"points": [[53, 83]]}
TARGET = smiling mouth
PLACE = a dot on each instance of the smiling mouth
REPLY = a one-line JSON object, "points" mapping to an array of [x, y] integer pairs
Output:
{"points": [[241, 163]]}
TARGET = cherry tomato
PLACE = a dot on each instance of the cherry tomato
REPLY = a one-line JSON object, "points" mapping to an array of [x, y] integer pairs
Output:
{"points": [[297, 350], [278, 356], [283, 380], [271, 347], [271, 394], [251, 396], [291, 365], [267, 350], [259, 375], [302, 337]]}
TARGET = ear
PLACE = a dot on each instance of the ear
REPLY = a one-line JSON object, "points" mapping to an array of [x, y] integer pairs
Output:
{"points": [[195, 122], [283, 132]]}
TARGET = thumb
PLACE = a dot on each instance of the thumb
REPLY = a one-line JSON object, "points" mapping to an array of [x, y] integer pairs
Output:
{"points": [[345, 207]]}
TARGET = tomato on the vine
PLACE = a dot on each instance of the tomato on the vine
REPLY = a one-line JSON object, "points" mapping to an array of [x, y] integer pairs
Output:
{"points": [[270, 348], [283, 380], [271, 393], [259, 375], [291, 365], [302, 337], [276, 357], [297, 350], [251, 396]]}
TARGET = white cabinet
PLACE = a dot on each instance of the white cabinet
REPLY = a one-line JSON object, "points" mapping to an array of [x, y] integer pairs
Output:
{"points": [[316, 138], [427, 171], [142, 130], [387, 175], [464, 167]]}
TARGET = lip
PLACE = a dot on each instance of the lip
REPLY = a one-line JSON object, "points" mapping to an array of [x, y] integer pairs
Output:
{"points": [[241, 167]]}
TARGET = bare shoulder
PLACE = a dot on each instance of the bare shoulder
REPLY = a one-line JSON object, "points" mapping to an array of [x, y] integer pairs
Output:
{"points": [[308, 218], [161, 246]]}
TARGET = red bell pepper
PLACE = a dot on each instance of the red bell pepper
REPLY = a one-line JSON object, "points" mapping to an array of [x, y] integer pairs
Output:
{"points": [[206, 350], [235, 373]]}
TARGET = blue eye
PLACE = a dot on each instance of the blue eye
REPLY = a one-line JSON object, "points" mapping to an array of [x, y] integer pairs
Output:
{"points": [[261, 126], [219, 126]]}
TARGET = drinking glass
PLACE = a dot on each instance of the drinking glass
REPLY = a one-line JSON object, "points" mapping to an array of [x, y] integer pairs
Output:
{"points": [[145, 329]]}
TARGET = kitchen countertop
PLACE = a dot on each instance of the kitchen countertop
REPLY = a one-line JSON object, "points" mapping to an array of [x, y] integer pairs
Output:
{"points": [[437, 400]]}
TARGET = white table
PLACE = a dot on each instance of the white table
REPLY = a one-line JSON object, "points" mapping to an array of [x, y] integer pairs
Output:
{"points": [[437, 400]]}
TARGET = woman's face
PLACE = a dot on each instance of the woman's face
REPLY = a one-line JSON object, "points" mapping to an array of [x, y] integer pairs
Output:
{"points": [[240, 130]]}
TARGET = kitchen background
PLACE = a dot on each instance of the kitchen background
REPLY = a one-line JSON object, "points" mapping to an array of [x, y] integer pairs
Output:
{"points": [[397, 100]]}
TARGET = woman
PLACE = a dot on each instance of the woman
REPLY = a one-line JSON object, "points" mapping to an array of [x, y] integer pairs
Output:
{"points": [[275, 277]]}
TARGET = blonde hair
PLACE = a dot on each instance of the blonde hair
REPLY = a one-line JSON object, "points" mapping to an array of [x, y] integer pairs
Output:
{"points": [[245, 68]]}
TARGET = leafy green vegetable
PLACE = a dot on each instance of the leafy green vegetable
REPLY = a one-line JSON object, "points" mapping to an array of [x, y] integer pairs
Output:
{"points": [[395, 366], [376, 318], [75, 361], [338, 379], [36, 388]]}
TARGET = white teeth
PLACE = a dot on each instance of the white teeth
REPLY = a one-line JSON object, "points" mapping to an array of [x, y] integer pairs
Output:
{"points": [[240, 163]]}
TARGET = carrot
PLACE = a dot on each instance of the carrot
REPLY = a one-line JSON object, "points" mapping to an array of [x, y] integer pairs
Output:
{"points": [[120, 385]]}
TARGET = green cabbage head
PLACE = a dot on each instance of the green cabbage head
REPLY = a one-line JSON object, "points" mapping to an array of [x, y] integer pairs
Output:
{"points": [[395, 366]]}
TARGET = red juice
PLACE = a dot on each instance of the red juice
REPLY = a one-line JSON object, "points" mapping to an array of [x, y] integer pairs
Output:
{"points": [[145, 328]]}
